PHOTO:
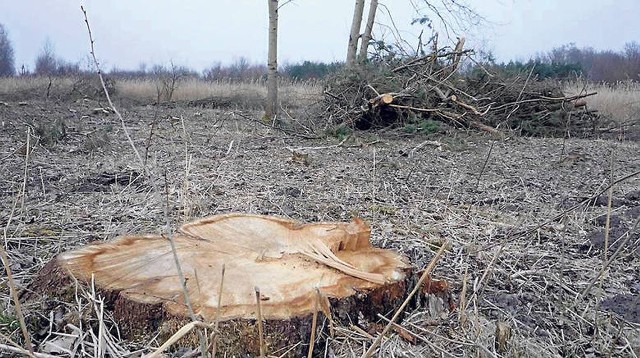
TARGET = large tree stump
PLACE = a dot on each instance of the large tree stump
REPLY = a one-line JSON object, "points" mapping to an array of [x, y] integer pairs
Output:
{"points": [[299, 269]]}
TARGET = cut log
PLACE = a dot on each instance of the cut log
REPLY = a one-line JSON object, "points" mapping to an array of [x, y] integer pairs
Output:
{"points": [[381, 100], [580, 103], [300, 269]]}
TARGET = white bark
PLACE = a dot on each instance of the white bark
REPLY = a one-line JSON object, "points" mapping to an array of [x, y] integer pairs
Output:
{"points": [[352, 48], [366, 37], [272, 64]]}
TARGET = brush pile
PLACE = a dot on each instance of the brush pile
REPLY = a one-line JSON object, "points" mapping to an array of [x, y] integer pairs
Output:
{"points": [[448, 86]]}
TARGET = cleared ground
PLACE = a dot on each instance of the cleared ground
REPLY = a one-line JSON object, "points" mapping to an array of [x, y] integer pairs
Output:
{"points": [[527, 254]]}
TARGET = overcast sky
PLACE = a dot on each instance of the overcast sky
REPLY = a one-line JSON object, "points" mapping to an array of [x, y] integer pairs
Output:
{"points": [[197, 33]]}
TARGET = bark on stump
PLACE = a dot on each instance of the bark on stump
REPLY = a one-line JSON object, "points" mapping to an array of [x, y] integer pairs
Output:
{"points": [[329, 268]]}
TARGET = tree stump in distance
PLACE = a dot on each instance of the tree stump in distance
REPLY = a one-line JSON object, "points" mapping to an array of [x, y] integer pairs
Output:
{"points": [[300, 269], [381, 100]]}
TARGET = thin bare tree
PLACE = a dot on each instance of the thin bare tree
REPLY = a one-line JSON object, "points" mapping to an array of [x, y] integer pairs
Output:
{"points": [[354, 36], [366, 36], [272, 62]]}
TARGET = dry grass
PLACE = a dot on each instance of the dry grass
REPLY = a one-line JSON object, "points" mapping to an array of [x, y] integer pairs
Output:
{"points": [[194, 89], [620, 102], [12, 85], [235, 94], [25, 88]]}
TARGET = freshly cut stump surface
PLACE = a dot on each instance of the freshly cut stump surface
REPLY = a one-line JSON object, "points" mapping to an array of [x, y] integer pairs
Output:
{"points": [[299, 269]]}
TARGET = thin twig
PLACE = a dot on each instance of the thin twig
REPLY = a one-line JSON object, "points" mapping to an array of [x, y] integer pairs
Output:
{"points": [[462, 315], [565, 212], [152, 182], [517, 102], [630, 233], [216, 320], [260, 327], [314, 322], [18, 350], [484, 166], [26, 169], [177, 336], [16, 301], [545, 98], [486, 272], [404, 304], [7, 266], [607, 226], [98, 307], [148, 144]]}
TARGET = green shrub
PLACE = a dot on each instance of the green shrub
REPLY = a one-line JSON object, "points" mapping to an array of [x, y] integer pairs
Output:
{"points": [[49, 133], [340, 131], [428, 126]]}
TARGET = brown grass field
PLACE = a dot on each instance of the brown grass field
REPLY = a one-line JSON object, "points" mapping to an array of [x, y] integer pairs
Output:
{"points": [[619, 102], [523, 218]]}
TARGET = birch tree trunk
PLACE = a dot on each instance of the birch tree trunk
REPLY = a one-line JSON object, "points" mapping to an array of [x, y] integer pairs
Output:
{"points": [[352, 48], [366, 37], [272, 64]]}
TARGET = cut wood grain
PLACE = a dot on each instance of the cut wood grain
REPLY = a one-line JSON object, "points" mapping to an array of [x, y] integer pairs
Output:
{"points": [[289, 262]]}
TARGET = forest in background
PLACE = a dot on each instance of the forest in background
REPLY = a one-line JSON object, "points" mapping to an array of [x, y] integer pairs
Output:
{"points": [[567, 62]]}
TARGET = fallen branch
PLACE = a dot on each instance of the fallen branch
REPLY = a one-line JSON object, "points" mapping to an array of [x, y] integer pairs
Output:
{"points": [[543, 99]]}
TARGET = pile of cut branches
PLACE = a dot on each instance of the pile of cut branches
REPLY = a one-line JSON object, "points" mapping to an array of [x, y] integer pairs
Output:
{"points": [[397, 92]]}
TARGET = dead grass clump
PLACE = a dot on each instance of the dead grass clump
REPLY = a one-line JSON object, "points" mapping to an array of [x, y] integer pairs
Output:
{"points": [[49, 132]]}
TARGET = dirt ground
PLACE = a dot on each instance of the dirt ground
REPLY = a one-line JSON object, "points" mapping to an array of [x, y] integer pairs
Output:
{"points": [[529, 257]]}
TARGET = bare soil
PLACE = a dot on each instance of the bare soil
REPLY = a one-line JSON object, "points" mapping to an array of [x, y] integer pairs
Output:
{"points": [[522, 252]]}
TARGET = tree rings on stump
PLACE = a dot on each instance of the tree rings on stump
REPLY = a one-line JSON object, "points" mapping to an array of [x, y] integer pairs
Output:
{"points": [[328, 268]]}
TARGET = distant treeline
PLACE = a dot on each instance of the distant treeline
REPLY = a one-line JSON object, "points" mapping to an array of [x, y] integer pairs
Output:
{"points": [[570, 62], [565, 62], [240, 70]]}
